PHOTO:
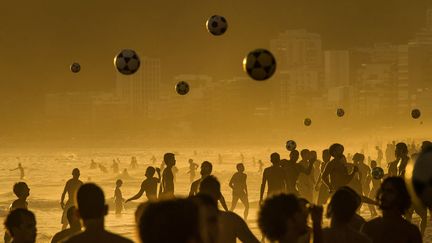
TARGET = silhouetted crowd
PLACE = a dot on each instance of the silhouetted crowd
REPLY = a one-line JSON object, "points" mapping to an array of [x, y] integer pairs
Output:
{"points": [[291, 211]]}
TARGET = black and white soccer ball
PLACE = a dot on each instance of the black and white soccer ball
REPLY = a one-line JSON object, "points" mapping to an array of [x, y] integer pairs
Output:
{"points": [[182, 88], [291, 145], [259, 64], [217, 25], [127, 62], [75, 67], [415, 113], [377, 173], [340, 112], [308, 122], [422, 178]]}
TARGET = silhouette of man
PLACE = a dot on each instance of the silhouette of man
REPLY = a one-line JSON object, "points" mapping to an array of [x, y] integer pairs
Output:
{"points": [[149, 185], [239, 186], [167, 183], [292, 170], [70, 188], [274, 176], [21, 169], [335, 174], [398, 167], [20, 224], [394, 201], [380, 155], [90, 201], [231, 226], [282, 219], [323, 192], [376, 183], [22, 192], [305, 181], [75, 227], [192, 170], [342, 209], [206, 170]]}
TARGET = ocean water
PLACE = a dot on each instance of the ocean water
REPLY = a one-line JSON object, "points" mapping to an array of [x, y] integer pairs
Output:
{"points": [[47, 172]]}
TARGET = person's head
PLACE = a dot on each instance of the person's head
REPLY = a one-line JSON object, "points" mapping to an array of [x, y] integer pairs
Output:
{"points": [[373, 164], [294, 156], [21, 225], [281, 216], [240, 167], [336, 150], [169, 159], [393, 195], [168, 221], [426, 145], [19, 165], [358, 158], [275, 158], [305, 154], [119, 183], [72, 217], [326, 155], [76, 173], [21, 190], [401, 150], [343, 205], [190, 161], [206, 168], [150, 171], [90, 201], [210, 186]]}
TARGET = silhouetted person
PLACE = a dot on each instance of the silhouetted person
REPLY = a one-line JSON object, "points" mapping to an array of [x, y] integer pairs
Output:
{"points": [[133, 163], [167, 183], [380, 155], [292, 170], [125, 174], [231, 226], [70, 188], [20, 224], [115, 166], [149, 185], [274, 176], [282, 219], [394, 201], [220, 159], [358, 181], [398, 167], [192, 170], [323, 192], [305, 181], [118, 197], [239, 187], [93, 165], [260, 164], [21, 169], [75, 227], [153, 160], [376, 183], [21, 191], [241, 158], [336, 174], [206, 170], [341, 210], [92, 210], [103, 168], [176, 220]]}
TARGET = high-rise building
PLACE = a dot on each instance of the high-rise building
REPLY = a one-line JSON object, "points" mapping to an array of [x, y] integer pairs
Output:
{"points": [[336, 68], [140, 88], [429, 19], [297, 48]]}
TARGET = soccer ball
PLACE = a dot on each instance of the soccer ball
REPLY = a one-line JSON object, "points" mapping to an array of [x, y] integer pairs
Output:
{"points": [[422, 178], [377, 173], [291, 145], [308, 122], [415, 113], [75, 67], [182, 88], [340, 112], [259, 64], [127, 62], [217, 25]]}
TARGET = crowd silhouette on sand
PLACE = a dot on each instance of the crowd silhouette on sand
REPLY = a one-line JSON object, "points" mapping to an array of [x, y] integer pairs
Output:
{"points": [[289, 211]]}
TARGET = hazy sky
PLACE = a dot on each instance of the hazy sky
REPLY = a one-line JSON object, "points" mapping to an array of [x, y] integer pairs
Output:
{"points": [[39, 39]]}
